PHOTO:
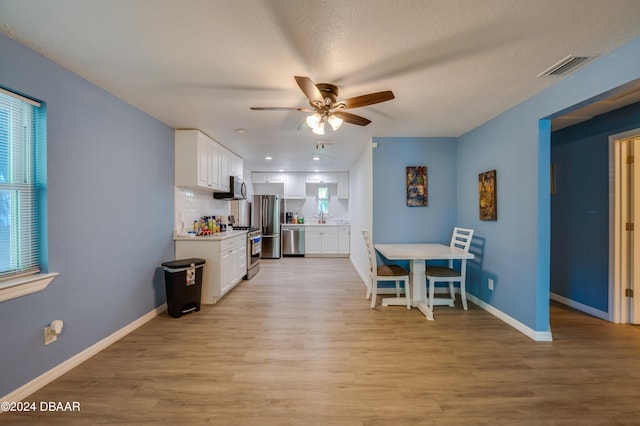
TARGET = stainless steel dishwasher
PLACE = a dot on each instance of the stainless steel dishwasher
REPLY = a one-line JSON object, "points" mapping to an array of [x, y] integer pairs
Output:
{"points": [[292, 240]]}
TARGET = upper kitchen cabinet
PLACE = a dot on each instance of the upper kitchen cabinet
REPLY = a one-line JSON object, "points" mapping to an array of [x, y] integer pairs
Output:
{"points": [[294, 186], [236, 166], [200, 162], [322, 178], [264, 177], [343, 186], [224, 158]]}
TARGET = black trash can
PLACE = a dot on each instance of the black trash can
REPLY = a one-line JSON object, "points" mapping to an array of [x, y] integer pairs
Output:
{"points": [[183, 281]]}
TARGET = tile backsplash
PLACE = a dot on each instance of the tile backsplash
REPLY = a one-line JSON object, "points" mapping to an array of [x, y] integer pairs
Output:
{"points": [[338, 209], [192, 204]]}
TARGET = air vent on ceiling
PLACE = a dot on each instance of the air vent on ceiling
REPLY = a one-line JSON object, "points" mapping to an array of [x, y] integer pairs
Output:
{"points": [[565, 66]]}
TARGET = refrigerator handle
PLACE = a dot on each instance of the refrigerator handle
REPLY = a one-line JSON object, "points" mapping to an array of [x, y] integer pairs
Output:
{"points": [[264, 213]]}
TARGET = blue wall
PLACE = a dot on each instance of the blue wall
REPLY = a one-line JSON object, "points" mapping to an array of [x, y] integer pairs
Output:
{"points": [[580, 207], [516, 248], [393, 220], [110, 217]]}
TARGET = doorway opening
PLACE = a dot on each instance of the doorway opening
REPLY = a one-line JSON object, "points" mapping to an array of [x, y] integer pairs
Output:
{"points": [[624, 243], [587, 242]]}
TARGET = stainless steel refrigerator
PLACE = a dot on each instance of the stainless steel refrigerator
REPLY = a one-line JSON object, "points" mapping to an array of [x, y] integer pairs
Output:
{"points": [[266, 216]]}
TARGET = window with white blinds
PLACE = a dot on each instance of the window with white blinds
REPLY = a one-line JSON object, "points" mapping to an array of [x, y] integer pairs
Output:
{"points": [[22, 126]]}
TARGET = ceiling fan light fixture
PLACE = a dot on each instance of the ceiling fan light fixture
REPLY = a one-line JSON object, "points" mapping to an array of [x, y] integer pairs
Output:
{"points": [[319, 128], [313, 120], [335, 122]]}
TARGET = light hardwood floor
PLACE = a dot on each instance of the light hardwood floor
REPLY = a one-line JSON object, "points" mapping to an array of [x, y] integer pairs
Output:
{"points": [[299, 345]]}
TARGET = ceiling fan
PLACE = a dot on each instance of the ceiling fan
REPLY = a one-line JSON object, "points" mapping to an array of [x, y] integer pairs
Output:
{"points": [[325, 107]]}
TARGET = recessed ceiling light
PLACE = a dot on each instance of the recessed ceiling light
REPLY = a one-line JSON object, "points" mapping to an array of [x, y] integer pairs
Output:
{"points": [[268, 158], [241, 130], [316, 158]]}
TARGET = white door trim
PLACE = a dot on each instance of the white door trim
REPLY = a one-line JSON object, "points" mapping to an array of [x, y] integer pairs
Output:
{"points": [[618, 303]]}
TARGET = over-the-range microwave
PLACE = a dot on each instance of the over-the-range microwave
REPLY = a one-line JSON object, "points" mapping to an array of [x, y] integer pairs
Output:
{"points": [[238, 190]]}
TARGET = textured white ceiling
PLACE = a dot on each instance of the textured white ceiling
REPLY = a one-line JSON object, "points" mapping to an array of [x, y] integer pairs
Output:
{"points": [[452, 64]]}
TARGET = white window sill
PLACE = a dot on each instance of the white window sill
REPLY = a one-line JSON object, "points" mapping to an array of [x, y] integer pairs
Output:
{"points": [[21, 286]]}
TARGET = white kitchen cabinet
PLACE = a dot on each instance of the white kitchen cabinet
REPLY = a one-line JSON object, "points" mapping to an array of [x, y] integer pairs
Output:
{"points": [[276, 178], [200, 162], [236, 166], [322, 240], [223, 168], [239, 167], [294, 186], [329, 178], [264, 177], [322, 177], [202, 157], [312, 241], [257, 177], [343, 186], [213, 174], [330, 240], [233, 263], [225, 262], [313, 177], [344, 239]]}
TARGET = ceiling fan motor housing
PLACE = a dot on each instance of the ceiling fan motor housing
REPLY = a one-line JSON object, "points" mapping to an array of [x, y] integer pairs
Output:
{"points": [[329, 91]]}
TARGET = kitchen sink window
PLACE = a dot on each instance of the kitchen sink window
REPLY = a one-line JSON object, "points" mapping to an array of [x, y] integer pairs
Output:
{"points": [[323, 201], [22, 192]]}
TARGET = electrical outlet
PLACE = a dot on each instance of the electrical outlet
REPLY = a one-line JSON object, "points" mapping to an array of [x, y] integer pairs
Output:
{"points": [[490, 283]]}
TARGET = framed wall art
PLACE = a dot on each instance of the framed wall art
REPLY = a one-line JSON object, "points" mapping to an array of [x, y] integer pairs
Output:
{"points": [[487, 194], [416, 186]]}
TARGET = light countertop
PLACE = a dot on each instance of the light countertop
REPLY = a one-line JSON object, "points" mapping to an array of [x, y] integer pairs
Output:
{"points": [[215, 237], [314, 224]]}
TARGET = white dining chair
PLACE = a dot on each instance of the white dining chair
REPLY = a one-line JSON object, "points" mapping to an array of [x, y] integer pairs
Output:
{"points": [[384, 273], [461, 239]]}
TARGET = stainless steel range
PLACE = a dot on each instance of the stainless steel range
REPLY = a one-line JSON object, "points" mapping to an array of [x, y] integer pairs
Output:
{"points": [[254, 247]]}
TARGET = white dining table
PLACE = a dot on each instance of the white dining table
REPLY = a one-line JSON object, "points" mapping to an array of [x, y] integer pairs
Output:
{"points": [[417, 254]]}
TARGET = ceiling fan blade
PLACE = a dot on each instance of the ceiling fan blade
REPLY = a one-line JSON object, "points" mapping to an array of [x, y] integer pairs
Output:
{"points": [[352, 118], [364, 100], [310, 90], [280, 109]]}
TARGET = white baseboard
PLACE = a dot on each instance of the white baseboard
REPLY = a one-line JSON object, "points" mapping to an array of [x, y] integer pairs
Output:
{"points": [[66, 366], [579, 306], [538, 336], [363, 275]]}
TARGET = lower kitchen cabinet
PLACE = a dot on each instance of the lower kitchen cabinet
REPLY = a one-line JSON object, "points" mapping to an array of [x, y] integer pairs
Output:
{"points": [[325, 240], [344, 239], [226, 263]]}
